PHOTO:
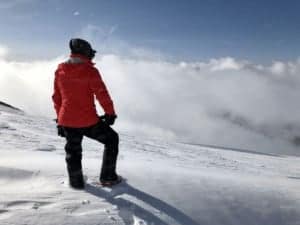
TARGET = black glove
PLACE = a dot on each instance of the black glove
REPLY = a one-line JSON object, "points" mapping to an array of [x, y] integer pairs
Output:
{"points": [[108, 119], [60, 130]]}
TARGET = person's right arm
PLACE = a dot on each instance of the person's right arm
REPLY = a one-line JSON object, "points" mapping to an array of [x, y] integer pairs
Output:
{"points": [[56, 97]]}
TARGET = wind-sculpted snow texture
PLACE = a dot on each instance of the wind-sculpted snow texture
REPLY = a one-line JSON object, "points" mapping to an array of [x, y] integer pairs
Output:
{"points": [[165, 183]]}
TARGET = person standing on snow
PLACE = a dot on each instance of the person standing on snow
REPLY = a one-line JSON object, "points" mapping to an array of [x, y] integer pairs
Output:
{"points": [[76, 83]]}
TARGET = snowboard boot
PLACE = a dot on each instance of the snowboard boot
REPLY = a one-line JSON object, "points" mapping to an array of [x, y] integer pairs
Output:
{"points": [[111, 182], [109, 177], [76, 180]]}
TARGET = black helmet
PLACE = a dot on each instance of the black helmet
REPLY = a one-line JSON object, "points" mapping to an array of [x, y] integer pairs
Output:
{"points": [[80, 46]]}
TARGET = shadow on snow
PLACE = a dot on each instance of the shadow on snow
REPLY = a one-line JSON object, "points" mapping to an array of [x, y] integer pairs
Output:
{"points": [[129, 209]]}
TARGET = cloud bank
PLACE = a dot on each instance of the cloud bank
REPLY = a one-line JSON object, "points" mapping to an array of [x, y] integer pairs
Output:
{"points": [[226, 102]]}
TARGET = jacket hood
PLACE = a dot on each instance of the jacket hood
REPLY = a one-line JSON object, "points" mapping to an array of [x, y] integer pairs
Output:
{"points": [[78, 58], [76, 62]]}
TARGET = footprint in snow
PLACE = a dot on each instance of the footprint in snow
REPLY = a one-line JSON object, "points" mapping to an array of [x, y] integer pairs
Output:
{"points": [[138, 221], [5, 126], [112, 218], [14, 174], [4, 214], [3, 211], [71, 208], [46, 148], [22, 205], [85, 202]]}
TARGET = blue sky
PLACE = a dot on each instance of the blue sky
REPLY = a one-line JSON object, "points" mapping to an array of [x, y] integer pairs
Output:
{"points": [[258, 30]]}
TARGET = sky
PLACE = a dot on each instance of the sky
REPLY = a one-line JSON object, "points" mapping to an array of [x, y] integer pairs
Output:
{"points": [[258, 30], [212, 72]]}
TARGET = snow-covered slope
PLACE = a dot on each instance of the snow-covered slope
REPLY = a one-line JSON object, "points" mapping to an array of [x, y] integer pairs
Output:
{"points": [[166, 183]]}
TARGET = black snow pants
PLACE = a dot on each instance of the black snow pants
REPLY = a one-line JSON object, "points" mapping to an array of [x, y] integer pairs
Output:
{"points": [[100, 132]]}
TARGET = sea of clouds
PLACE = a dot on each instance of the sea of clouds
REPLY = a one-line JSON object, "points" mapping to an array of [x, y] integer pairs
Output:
{"points": [[225, 102]]}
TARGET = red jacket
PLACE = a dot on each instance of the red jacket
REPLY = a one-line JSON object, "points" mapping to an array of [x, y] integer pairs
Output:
{"points": [[75, 84]]}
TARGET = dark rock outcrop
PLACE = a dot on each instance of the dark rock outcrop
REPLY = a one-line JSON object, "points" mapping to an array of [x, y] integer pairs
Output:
{"points": [[9, 106]]}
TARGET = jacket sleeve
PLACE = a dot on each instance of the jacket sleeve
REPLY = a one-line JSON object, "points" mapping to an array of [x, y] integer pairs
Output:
{"points": [[56, 97], [99, 89]]}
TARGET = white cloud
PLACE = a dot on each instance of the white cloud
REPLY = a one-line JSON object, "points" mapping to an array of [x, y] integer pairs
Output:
{"points": [[3, 51], [225, 64], [278, 68], [76, 13], [222, 102], [236, 104]]}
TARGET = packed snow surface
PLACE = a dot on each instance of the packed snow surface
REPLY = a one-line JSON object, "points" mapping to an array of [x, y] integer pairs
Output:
{"points": [[165, 183]]}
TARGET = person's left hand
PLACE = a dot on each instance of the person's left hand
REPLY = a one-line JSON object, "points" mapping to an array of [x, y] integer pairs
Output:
{"points": [[60, 130]]}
